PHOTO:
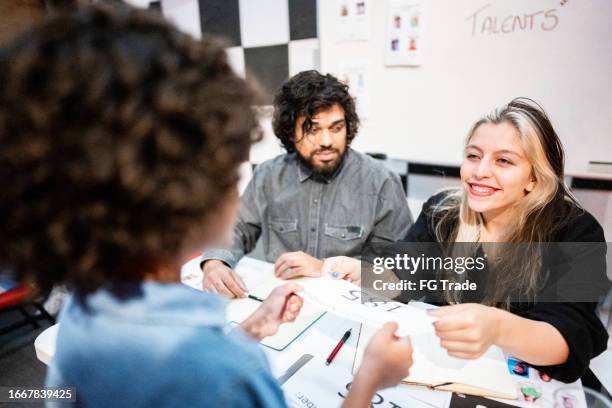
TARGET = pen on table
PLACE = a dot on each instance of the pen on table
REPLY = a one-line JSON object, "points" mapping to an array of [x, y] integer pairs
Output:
{"points": [[336, 349], [255, 298]]}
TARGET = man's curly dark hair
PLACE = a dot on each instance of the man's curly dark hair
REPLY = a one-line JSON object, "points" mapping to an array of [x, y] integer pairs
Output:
{"points": [[120, 141], [305, 94]]}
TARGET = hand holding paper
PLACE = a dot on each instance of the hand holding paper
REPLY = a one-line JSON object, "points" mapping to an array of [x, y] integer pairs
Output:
{"points": [[387, 357], [466, 330], [386, 362], [349, 301]]}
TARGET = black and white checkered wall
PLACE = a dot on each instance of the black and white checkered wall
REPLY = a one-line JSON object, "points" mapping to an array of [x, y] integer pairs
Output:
{"points": [[269, 39]]}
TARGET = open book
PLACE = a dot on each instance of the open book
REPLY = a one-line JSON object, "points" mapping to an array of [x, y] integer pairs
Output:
{"points": [[259, 278], [487, 376], [239, 309]]}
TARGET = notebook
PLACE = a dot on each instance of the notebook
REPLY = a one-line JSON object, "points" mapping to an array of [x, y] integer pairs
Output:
{"points": [[239, 309], [487, 376]]}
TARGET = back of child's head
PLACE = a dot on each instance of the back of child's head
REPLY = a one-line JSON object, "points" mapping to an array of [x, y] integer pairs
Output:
{"points": [[120, 141]]}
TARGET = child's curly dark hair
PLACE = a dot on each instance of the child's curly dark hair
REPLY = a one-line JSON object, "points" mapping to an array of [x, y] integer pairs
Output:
{"points": [[305, 94], [120, 141]]}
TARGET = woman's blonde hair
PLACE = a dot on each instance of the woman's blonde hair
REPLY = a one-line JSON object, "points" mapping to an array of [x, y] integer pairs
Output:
{"points": [[538, 214]]}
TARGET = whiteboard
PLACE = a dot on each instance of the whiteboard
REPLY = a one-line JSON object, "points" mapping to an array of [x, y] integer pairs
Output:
{"points": [[479, 54]]}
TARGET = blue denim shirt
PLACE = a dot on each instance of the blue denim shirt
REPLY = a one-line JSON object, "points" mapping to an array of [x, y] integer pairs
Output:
{"points": [[164, 346]]}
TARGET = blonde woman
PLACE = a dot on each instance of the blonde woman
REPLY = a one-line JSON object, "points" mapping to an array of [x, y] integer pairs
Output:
{"points": [[513, 192]]}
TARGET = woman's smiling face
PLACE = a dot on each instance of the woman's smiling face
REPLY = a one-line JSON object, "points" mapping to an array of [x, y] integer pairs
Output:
{"points": [[495, 171]]}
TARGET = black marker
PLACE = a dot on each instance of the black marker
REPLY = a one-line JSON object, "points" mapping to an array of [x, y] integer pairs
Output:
{"points": [[255, 298]]}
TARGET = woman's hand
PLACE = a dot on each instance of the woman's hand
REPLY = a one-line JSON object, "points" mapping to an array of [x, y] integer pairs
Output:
{"points": [[343, 267], [467, 330], [281, 306]]}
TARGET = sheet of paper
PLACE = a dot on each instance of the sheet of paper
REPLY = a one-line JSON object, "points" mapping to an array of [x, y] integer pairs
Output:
{"points": [[432, 365], [352, 20], [534, 389], [403, 42], [319, 385], [252, 271], [356, 74], [422, 370], [349, 301]]}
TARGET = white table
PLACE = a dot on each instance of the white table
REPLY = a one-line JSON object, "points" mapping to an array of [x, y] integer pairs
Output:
{"points": [[318, 340], [602, 368]]}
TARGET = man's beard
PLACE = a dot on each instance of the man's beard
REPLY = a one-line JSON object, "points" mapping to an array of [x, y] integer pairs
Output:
{"points": [[327, 169]]}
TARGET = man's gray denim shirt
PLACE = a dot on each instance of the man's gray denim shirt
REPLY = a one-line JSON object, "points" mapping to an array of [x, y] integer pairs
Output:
{"points": [[290, 209]]}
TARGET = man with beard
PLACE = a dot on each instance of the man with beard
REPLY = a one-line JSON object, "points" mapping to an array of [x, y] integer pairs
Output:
{"points": [[318, 200]]}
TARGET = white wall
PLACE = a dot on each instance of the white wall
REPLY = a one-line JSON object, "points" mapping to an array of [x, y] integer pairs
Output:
{"points": [[139, 3], [422, 113]]}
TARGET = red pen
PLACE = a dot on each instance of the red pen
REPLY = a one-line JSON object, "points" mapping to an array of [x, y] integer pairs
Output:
{"points": [[338, 347]]}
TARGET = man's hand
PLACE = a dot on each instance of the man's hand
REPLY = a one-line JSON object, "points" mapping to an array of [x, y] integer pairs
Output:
{"points": [[282, 305], [467, 330], [219, 278], [293, 264], [343, 267]]}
